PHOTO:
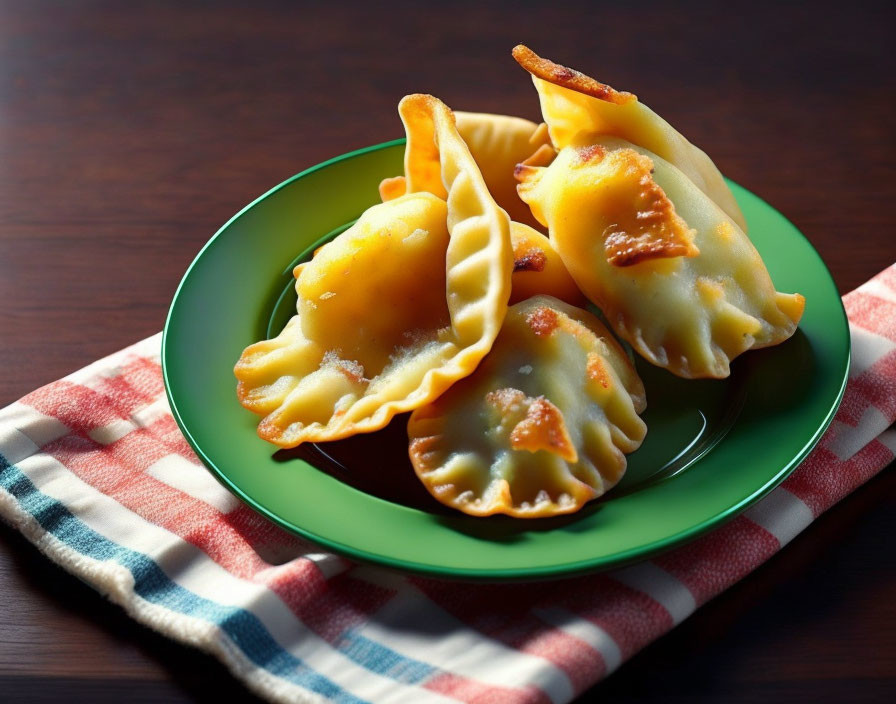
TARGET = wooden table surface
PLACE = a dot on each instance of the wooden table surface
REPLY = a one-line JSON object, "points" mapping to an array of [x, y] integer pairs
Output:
{"points": [[130, 132]]}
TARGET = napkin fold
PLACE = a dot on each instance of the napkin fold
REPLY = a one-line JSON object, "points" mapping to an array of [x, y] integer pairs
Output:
{"points": [[94, 472]]}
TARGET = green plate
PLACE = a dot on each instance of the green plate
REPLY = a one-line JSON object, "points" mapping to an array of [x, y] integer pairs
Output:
{"points": [[713, 446]]}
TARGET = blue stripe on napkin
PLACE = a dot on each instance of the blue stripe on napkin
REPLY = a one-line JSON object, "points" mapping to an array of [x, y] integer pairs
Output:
{"points": [[153, 585]]}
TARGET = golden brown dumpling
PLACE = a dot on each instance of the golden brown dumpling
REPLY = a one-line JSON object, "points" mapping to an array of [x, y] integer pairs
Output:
{"points": [[538, 268], [577, 108], [542, 425], [395, 309], [498, 143], [673, 272]]}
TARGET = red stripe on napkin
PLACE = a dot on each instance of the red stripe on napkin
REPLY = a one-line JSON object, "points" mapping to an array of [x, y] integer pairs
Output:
{"points": [[630, 617], [823, 479], [869, 311], [720, 558], [503, 613], [346, 602]]}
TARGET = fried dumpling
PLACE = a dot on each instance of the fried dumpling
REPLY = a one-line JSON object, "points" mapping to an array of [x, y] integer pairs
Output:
{"points": [[578, 108], [392, 311], [498, 143], [541, 427], [673, 273], [538, 268]]}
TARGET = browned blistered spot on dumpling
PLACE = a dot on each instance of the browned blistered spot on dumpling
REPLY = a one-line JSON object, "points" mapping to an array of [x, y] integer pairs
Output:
{"points": [[568, 77], [542, 321], [645, 225], [533, 260], [543, 428], [593, 152], [597, 371], [625, 250], [538, 268]]}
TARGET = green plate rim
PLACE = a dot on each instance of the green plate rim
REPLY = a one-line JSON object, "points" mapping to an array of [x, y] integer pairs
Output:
{"points": [[568, 569]]}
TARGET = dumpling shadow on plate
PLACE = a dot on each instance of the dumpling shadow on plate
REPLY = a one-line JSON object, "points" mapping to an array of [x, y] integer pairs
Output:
{"points": [[375, 463], [688, 418], [781, 376], [507, 529], [378, 464]]}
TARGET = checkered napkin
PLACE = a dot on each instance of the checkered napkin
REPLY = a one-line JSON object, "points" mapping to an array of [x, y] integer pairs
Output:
{"points": [[94, 471]]}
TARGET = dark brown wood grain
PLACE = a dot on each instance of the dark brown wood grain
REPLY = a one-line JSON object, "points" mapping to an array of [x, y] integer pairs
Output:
{"points": [[129, 132]]}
